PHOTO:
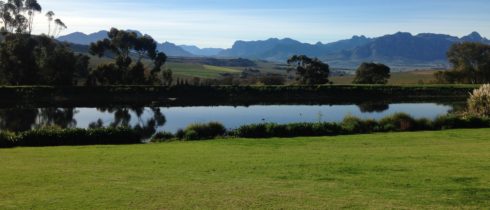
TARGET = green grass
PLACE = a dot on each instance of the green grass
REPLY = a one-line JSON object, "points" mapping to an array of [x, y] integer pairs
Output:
{"points": [[197, 70], [431, 170]]}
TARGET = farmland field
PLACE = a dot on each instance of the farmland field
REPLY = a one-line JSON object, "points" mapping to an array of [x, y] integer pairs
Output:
{"points": [[431, 170]]}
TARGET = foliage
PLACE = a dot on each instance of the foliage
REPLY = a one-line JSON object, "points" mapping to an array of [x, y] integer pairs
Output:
{"points": [[52, 136], [125, 45], [273, 79], [162, 136], [352, 125], [372, 73], [30, 60], [8, 139], [471, 64], [200, 131], [479, 101], [309, 71]]}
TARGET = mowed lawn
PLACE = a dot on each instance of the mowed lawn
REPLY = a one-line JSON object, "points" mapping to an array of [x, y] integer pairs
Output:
{"points": [[432, 170]]}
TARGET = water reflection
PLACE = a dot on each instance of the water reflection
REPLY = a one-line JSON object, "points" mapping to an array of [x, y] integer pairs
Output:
{"points": [[373, 107], [146, 126], [149, 120]]}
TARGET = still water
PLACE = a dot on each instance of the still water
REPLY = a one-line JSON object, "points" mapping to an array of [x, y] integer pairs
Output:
{"points": [[153, 119]]}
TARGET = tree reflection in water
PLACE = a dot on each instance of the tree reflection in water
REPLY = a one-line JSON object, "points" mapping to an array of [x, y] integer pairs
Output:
{"points": [[373, 107], [20, 119], [122, 118]]}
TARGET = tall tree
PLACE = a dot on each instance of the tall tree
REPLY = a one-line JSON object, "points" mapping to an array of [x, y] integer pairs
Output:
{"points": [[32, 7], [472, 60], [125, 45], [309, 71], [60, 26], [50, 15]]}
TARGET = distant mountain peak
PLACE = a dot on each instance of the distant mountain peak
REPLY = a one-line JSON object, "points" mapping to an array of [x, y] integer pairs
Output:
{"points": [[474, 37]]}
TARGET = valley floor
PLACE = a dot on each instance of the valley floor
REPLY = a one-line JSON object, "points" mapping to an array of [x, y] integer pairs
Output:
{"points": [[432, 170]]}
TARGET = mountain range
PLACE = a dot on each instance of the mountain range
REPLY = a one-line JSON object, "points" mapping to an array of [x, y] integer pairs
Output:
{"points": [[399, 49]]}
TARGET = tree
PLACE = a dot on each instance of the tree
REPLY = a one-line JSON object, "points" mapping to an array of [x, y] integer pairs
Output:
{"points": [[32, 7], [50, 16], [59, 26], [372, 73], [167, 77], [471, 64], [125, 45], [38, 60], [309, 71], [13, 14]]}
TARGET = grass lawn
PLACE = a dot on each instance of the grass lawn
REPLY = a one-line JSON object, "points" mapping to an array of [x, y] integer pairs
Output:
{"points": [[432, 170], [198, 70]]}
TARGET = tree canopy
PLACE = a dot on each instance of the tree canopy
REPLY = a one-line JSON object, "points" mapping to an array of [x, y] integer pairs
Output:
{"points": [[372, 73], [309, 71], [471, 64], [126, 46], [38, 60]]}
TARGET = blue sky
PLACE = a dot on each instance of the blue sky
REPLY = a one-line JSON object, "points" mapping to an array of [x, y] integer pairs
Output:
{"points": [[218, 23]]}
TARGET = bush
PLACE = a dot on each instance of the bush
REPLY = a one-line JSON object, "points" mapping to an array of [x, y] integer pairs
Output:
{"points": [[252, 131], [8, 139], [454, 121], [199, 131], [351, 125], [397, 122], [162, 136], [180, 134], [191, 135], [74, 137], [479, 102]]}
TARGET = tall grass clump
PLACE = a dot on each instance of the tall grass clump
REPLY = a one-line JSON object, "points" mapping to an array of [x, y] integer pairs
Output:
{"points": [[479, 101]]}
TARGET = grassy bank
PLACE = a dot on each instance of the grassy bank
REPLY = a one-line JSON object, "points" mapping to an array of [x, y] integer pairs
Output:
{"points": [[436, 170]]}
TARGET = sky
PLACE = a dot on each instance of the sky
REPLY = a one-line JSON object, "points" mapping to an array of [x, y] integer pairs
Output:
{"points": [[219, 23]]}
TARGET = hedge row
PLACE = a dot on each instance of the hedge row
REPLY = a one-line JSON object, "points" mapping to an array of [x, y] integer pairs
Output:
{"points": [[70, 137], [350, 125]]}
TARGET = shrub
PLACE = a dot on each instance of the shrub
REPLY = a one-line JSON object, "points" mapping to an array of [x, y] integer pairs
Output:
{"points": [[397, 122], [73, 137], [454, 121], [8, 139], [479, 102], [162, 136], [180, 134], [191, 135], [252, 131], [352, 124], [204, 131]]}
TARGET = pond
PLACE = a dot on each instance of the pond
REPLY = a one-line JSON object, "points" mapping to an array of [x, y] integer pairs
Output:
{"points": [[152, 119]]}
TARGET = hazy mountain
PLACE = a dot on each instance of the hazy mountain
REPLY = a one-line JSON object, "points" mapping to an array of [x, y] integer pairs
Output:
{"points": [[80, 39], [399, 49], [83, 39], [280, 49], [173, 50], [205, 52], [407, 47]]}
